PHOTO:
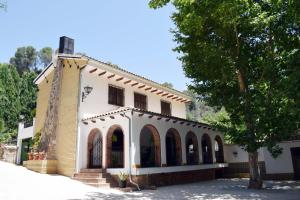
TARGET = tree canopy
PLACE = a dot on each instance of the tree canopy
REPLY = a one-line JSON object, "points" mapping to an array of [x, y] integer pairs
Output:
{"points": [[29, 59], [243, 55]]}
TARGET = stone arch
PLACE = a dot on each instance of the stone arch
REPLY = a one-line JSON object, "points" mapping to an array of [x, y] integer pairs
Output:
{"points": [[207, 157], [150, 155], [173, 148], [115, 147], [191, 147], [94, 149], [219, 152]]}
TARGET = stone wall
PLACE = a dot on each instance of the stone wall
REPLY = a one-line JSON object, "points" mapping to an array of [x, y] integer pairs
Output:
{"points": [[8, 153]]}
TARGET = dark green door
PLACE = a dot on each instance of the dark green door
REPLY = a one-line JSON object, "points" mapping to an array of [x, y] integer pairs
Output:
{"points": [[25, 148]]}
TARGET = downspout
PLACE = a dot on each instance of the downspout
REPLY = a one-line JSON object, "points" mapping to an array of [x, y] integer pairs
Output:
{"points": [[130, 131]]}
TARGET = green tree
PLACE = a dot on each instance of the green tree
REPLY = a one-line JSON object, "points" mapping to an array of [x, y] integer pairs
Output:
{"points": [[24, 59], [244, 56], [167, 84], [28, 95], [197, 109], [9, 96], [45, 56]]}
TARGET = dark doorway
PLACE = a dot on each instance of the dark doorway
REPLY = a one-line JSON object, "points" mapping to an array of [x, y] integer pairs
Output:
{"points": [[192, 154], [173, 148], [296, 161], [26, 146], [219, 154], [95, 149], [206, 150], [117, 149]]}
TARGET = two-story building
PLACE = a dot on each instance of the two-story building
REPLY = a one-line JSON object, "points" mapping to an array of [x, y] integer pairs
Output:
{"points": [[97, 115]]}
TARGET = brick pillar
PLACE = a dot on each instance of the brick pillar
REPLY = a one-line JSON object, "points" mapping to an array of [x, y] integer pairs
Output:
{"points": [[48, 141]]}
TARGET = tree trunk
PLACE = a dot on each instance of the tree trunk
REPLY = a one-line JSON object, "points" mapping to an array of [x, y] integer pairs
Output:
{"points": [[255, 181]]}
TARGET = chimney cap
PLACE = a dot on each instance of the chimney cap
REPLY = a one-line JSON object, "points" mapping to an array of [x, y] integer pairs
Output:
{"points": [[66, 45]]}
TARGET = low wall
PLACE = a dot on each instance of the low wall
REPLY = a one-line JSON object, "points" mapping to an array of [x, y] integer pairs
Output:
{"points": [[241, 170], [8, 153], [172, 178], [41, 166]]}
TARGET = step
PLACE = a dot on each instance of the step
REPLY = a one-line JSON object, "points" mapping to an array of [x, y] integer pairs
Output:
{"points": [[102, 185], [91, 180], [89, 175], [91, 170]]}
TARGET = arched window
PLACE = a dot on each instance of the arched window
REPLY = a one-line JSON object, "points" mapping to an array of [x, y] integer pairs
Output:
{"points": [[94, 149], [115, 147], [219, 154], [191, 146], [173, 147], [206, 150], [149, 147]]}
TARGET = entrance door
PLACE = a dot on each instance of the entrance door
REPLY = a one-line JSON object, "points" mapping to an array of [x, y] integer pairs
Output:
{"points": [[96, 152], [25, 148], [296, 161]]}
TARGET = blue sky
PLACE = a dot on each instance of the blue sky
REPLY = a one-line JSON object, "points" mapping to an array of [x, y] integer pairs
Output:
{"points": [[126, 33]]}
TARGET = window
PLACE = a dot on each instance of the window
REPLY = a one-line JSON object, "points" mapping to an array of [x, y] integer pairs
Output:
{"points": [[140, 101], [165, 108], [115, 96]]}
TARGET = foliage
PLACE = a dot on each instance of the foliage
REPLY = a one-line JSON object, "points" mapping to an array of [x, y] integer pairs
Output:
{"points": [[198, 109], [122, 176], [28, 59], [45, 56], [17, 97], [24, 59], [28, 95], [9, 96], [167, 84], [244, 56], [36, 141]]}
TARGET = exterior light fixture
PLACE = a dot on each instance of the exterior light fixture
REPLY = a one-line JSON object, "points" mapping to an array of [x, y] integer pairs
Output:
{"points": [[86, 92]]}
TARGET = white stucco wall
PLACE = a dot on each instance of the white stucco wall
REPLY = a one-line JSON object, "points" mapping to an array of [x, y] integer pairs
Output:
{"points": [[138, 122], [162, 127], [103, 126], [283, 163], [23, 133], [97, 101], [241, 156]]}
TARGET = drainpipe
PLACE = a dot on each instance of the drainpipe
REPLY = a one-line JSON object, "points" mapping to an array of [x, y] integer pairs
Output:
{"points": [[130, 131]]}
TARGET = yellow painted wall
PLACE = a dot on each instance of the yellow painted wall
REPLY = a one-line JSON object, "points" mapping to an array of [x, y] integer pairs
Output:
{"points": [[42, 102], [66, 138]]}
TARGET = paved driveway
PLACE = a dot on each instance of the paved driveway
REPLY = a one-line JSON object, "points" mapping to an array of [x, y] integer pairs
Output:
{"points": [[18, 183]]}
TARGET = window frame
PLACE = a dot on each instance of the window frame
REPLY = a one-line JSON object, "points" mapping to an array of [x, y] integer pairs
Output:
{"points": [[123, 95], [146, 97], [161, 111]]}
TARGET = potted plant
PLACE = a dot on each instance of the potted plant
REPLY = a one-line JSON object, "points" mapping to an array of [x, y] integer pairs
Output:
{"points": [[30, 155], [42, 155], [122, 179]]}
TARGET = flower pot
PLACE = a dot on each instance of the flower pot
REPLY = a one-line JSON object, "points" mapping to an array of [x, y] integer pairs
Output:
{"points": [[35, 156], [122, 183], [41, 155]]}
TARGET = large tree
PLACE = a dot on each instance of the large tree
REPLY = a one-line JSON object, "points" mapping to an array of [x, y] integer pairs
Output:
{"points": [[24, 59], [244, 55], [45, 56]]}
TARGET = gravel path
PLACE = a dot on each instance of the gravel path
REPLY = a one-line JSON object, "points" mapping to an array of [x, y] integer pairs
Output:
{"points": [[18, 183]]}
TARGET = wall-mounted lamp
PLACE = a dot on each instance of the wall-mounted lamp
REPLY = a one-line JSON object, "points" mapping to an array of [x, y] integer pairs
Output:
{"points": [[87, 91], [235, 153]]}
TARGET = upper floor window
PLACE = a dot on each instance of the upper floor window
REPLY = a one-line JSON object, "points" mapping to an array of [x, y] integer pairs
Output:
{"points": [[165, 108], [140, 101], [115, 96]]}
